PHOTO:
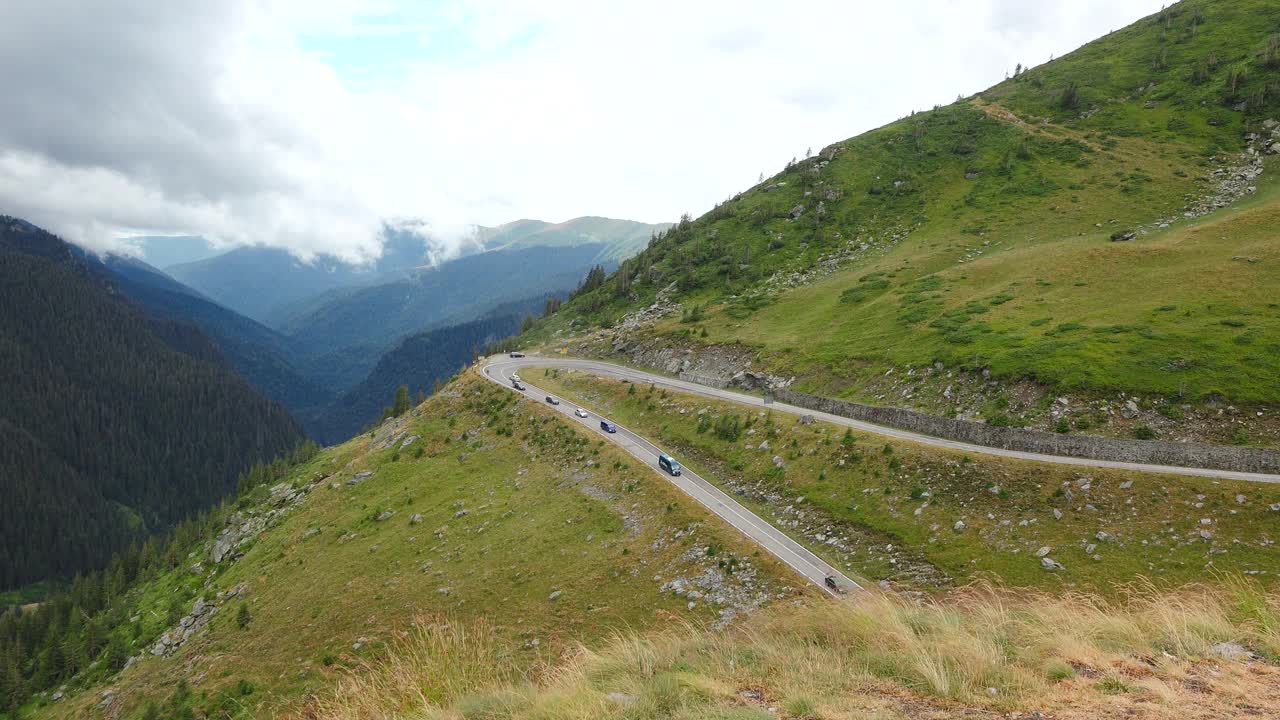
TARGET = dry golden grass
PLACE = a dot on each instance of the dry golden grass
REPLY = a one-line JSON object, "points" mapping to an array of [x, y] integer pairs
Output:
{"points": [[981, 650]]}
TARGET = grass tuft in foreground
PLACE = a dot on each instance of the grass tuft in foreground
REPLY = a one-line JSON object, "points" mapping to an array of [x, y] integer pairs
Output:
{"points": [[1208, 652]]}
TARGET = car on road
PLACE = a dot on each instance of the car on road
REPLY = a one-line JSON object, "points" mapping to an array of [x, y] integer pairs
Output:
{"points": [[515, 377], [581, 413], [517, 385], [552, 401], [668, 463], [830, 582], [608, 427], [515, 354]]}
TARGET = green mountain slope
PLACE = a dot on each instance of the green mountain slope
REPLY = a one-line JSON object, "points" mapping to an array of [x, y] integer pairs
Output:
{"points": [[475, 507], [979, 234], [480, 540]]}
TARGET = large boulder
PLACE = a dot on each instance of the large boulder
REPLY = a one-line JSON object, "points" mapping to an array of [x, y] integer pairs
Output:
{"points": [[1049, 563], [1130, 410]]}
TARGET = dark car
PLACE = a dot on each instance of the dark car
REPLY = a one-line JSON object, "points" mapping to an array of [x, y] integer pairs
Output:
{"points": [[515, 354], [831, 583], [517, 385], [552, 400], [608, 427], [669, 464]]}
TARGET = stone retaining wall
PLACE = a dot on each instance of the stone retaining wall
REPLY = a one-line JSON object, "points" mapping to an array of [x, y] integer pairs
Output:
{"points": [[1218, 457], [701, 379]]}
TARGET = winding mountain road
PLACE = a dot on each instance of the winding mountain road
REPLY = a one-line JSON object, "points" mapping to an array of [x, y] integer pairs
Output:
{"points": [[500, 369], [758, 530], [504, 364]]}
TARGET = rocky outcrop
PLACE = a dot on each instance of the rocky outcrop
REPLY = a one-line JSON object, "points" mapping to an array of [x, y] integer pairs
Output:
{"points": [[242, 528], [662, 306], [1235, 177], [853, 248], [733, 593], [713, 365], [238, 532], [718, 363], [748, 380], [193, 623]]}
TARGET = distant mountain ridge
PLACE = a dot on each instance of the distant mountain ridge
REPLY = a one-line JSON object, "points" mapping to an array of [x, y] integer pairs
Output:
{"points": [[338, 345], [620, 238], [254, 281], [455, 292], [274, 287]]}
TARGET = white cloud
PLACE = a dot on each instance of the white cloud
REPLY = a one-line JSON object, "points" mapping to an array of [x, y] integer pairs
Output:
{"points": [[226, 119]]}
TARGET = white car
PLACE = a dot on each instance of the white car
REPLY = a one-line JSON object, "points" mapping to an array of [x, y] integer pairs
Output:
{"points": [[515, 377], [581, 413]]}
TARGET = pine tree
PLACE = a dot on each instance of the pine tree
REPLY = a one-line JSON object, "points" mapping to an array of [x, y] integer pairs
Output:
{"points": [[175, 612], [117, 652], [242, 616], [401, 405], [73, 653]]}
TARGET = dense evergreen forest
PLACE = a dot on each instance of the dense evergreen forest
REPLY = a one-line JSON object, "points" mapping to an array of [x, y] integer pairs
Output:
{"points": [[113, 425], [92, 628]]}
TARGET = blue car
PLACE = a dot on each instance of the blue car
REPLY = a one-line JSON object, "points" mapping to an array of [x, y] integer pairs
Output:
{"points": [[669, 464], [608, 427]]}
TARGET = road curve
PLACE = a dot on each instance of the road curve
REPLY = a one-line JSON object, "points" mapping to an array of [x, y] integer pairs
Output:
{"points": [[758, 530], [504, 366]]}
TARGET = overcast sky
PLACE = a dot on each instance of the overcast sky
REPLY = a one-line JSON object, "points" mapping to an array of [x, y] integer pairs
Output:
{"points": [[306, 123]]}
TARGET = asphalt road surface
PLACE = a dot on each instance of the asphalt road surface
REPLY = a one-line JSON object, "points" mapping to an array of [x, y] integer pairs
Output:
{"points": [[760, 531], [504, 366]]}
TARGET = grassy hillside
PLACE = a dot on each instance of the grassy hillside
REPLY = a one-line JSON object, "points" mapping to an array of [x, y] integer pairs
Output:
{"points": [[982, 654], [496, 512], [979, 234], [929, 519]]}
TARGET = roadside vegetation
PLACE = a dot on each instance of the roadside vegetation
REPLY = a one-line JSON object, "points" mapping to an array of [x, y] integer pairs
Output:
{"points": [[926, 518]]}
